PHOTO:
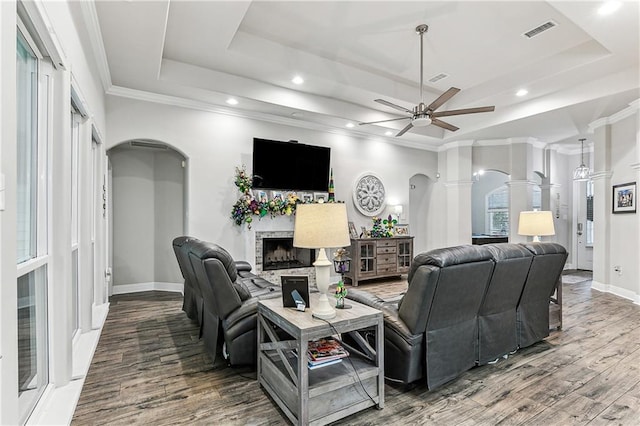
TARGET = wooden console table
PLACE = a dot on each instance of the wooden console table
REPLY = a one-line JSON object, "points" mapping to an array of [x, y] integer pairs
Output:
{"points": [[379, 257], [329, 393]]}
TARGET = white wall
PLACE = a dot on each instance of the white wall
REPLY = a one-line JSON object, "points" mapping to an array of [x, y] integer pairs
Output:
{"points": [[214, 144], [625, 228]]}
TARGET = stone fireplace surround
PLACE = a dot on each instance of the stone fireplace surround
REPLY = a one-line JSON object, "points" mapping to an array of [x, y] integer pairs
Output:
{"points": [[274, 275]]}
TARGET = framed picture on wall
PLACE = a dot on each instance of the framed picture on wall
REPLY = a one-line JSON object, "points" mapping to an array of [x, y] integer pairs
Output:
{"points": [[624, 198]]}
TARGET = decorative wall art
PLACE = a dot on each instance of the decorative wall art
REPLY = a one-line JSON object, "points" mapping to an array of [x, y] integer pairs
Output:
{"points": [[624, 198], [369, 195]]}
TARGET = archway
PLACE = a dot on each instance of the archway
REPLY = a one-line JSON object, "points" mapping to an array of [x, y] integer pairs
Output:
{"points": [[420, 193], [490, 206], [148, 188]]}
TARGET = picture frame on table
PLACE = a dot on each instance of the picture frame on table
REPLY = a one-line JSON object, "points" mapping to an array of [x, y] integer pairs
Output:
{"points": [[364, 233], [624, 198], [276, 194], [306, 197], [320, 197], [352, 231], [401, 229]]}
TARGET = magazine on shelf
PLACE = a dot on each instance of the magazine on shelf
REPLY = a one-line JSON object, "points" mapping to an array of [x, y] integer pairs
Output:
{"points": [[326, 349], [323, 352]]}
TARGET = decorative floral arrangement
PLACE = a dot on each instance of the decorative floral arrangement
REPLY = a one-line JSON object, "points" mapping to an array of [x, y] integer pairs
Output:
{"points": [[243, 180], [382, 228], [248, 206]]}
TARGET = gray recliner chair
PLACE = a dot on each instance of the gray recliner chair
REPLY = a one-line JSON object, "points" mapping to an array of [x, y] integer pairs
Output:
{"points": [[497, 315], [192, 303], [230, 302], [432, 331], [544, 275]]}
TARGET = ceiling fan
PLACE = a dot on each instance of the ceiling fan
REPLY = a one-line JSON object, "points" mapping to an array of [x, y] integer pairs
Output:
{"points": [[424, 115]]}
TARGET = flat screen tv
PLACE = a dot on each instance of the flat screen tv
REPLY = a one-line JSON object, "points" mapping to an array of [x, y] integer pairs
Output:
{"points": [[290, 166]]}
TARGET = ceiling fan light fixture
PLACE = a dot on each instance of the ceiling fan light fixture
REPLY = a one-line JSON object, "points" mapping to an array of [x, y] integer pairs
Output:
{"points": [[421, 121]]}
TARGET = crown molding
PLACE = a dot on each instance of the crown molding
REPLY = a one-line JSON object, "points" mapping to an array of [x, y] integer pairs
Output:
{"points": [[181, 102], [455, 144], [458, 183], [614, 118], [92, 25], [601, 175]]}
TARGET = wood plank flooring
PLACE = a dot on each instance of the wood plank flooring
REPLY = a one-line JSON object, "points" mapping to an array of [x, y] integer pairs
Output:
{"points": [[150, 368]]}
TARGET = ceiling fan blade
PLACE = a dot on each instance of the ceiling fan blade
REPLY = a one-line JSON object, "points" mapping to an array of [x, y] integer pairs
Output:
{"points": [[405, 130], [444, 125], [463, 111], [389, 104], [384, 121], [443, 98]]}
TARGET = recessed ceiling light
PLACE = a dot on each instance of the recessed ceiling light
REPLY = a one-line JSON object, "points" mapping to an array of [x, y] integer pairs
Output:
{"points": [[609, 7], [232, 101], [297, 80], [522, 92], [388, 133], [350, 125]]}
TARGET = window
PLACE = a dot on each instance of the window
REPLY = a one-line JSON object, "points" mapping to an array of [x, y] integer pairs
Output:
{"points": [[32, 88], [589, 222], [497, 203]]}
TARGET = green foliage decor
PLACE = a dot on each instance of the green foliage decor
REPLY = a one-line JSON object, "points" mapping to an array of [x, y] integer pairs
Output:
{"points": [[247, 207]]}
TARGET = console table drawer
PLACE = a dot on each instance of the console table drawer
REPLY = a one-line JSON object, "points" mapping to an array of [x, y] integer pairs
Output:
{"points": [[386, 259], [385, 243], [384, 250], [386, 269]]}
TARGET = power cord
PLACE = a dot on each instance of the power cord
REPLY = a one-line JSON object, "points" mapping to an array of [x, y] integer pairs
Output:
{"points": [[355, 370]]}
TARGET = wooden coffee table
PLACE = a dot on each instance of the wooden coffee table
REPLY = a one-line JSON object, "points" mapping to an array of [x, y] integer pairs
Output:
{"points": [[329, 393]]}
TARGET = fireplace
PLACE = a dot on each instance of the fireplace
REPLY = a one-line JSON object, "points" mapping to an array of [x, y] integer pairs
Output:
{"points": [[279, 253]]}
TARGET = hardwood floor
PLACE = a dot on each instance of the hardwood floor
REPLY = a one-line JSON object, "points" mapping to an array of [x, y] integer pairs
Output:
{"points": [[150, 368]]}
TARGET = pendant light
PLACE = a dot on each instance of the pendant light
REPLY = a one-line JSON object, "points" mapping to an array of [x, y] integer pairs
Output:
{"points": [[582, 172]]}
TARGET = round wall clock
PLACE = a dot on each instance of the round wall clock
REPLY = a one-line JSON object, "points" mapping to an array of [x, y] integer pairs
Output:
{"points": [[369, 195]]}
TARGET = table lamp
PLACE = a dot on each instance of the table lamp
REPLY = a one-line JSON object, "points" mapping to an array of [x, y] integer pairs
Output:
{"points": [[320, 226], [536, 223]]}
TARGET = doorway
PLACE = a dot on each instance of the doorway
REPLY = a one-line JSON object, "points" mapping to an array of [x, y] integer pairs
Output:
{"points": [[584, 224], [148, 200]]}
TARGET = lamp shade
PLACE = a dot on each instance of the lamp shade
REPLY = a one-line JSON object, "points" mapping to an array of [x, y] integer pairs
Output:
{"points": [[321, 225], [536, 223]]}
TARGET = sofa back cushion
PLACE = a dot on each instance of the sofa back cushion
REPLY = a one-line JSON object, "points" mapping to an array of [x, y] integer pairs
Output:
{"points": [[512, 266], [453, 267]]}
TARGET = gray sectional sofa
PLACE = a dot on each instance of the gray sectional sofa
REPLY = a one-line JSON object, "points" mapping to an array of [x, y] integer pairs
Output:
{"points": [[466, 306]]}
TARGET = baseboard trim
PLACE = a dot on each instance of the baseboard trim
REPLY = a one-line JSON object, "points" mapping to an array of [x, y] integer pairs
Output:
{"points": [[618, 291], [150, 286]]}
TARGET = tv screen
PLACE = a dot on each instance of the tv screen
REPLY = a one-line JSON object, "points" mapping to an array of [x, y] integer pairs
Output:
{"points": [[290, 165]]}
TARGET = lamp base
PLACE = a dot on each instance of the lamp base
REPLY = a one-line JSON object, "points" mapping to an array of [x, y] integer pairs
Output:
{"points": [[324, 310]]}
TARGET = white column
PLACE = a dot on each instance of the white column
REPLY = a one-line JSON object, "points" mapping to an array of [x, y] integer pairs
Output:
{"points": [[520, 199], [602, 207], [458, 159]]}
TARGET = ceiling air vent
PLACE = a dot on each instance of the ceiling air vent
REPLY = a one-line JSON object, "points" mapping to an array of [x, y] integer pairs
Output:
{"points": [[141, 143], [539, 29], [438, 77]]}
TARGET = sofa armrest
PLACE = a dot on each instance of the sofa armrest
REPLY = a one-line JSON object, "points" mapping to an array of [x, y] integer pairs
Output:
{"points": [[389, 310], [243, 265]]}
